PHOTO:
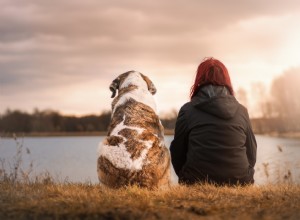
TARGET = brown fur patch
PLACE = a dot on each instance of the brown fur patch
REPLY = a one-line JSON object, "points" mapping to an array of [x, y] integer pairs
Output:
{"points": [[137, 114], [121, 93], [147, 136], [128, 133], [114, 140], [132, 144], [150, 84]]}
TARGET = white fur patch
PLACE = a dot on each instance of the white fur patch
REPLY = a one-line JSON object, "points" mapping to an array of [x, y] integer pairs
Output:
{"points": [[141, 94], [119, 156]]}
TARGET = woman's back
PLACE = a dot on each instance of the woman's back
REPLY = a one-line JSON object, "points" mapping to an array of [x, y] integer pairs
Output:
{"points": [[216, 130], [213, 137]]}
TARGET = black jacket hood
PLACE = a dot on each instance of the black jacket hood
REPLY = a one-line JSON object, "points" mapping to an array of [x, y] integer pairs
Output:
{"points": [[216, 100]]}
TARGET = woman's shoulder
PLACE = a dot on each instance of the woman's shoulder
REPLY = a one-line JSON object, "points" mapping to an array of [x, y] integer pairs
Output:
{"points": [[243, 109], [243, 112], [187, 106]]}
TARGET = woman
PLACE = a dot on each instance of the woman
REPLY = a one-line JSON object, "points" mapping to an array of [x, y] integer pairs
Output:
{"points": [[213, 141]]}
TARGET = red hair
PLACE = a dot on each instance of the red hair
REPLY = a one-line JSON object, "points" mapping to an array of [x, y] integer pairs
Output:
{"points": [[211, 71]]}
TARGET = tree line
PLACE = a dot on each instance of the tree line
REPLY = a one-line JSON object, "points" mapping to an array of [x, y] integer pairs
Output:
{"points": [[280, 108], [51, 121], [16, 121]]}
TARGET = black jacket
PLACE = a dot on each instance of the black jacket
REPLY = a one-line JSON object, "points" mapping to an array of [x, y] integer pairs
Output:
{"points": [[213, 139]]}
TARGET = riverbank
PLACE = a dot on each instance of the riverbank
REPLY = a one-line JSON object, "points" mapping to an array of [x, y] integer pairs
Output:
{"points": [[53, 134], [294, 135], [86, 201], [64, 134]]}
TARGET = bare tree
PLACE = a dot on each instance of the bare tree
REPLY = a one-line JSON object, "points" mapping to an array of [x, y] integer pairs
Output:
{"points": [[263, 101], [242, 96], [285, 92]]}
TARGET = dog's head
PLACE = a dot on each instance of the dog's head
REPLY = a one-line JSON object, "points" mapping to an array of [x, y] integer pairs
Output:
{"points": [[131, 78]]}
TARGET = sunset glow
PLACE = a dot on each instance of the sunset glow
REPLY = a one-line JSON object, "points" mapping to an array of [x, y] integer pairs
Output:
{"points": [[62, 55]]}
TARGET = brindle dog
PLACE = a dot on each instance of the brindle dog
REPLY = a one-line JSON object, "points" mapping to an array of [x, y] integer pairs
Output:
{"points": [[134, 152]]}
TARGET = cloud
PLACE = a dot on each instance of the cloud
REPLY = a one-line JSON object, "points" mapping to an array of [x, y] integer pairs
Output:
{"points": [[56, 45]]}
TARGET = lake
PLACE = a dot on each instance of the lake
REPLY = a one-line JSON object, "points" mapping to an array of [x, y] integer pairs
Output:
{"points": [[74, 159]]}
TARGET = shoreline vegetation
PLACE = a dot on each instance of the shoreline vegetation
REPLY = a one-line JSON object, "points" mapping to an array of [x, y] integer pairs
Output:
{"points": [[64, 134], [293, 135]]}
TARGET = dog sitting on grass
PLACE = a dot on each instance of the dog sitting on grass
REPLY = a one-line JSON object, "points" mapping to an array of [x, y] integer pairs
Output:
{"points": [[134, 152]]}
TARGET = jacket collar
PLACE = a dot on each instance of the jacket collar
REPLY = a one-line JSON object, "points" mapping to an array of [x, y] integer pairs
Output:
{"points": [[210, 91]]}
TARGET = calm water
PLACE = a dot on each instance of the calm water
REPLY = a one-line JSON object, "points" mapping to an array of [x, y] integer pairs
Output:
{"points": [[74, 158]]}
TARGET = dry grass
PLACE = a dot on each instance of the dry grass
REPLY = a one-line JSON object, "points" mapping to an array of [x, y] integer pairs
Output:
{"points": [[87, 201]]}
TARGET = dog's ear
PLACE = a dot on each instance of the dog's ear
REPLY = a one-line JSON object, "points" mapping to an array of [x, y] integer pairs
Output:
{"points": [[114, 86], [151, 86]]}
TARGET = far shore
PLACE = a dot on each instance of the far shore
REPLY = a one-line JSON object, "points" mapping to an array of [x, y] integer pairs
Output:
{"points": [[294, 135], [63, 134]]}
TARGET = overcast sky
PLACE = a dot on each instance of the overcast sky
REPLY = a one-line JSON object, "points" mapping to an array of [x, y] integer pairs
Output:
{"points": [[63, 54]]}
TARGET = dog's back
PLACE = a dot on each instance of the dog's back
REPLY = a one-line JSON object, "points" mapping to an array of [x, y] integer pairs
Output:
{"points": [[134, 150]]}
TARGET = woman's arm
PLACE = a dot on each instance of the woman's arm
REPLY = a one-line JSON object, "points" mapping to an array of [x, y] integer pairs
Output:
{"points": [[179, 145]]}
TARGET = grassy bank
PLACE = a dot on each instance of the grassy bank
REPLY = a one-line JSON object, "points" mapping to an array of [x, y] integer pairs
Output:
{"points": [[86, 201]]}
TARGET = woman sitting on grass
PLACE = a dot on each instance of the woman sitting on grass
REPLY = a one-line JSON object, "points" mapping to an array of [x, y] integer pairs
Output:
{"points": [[213, 141]]}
